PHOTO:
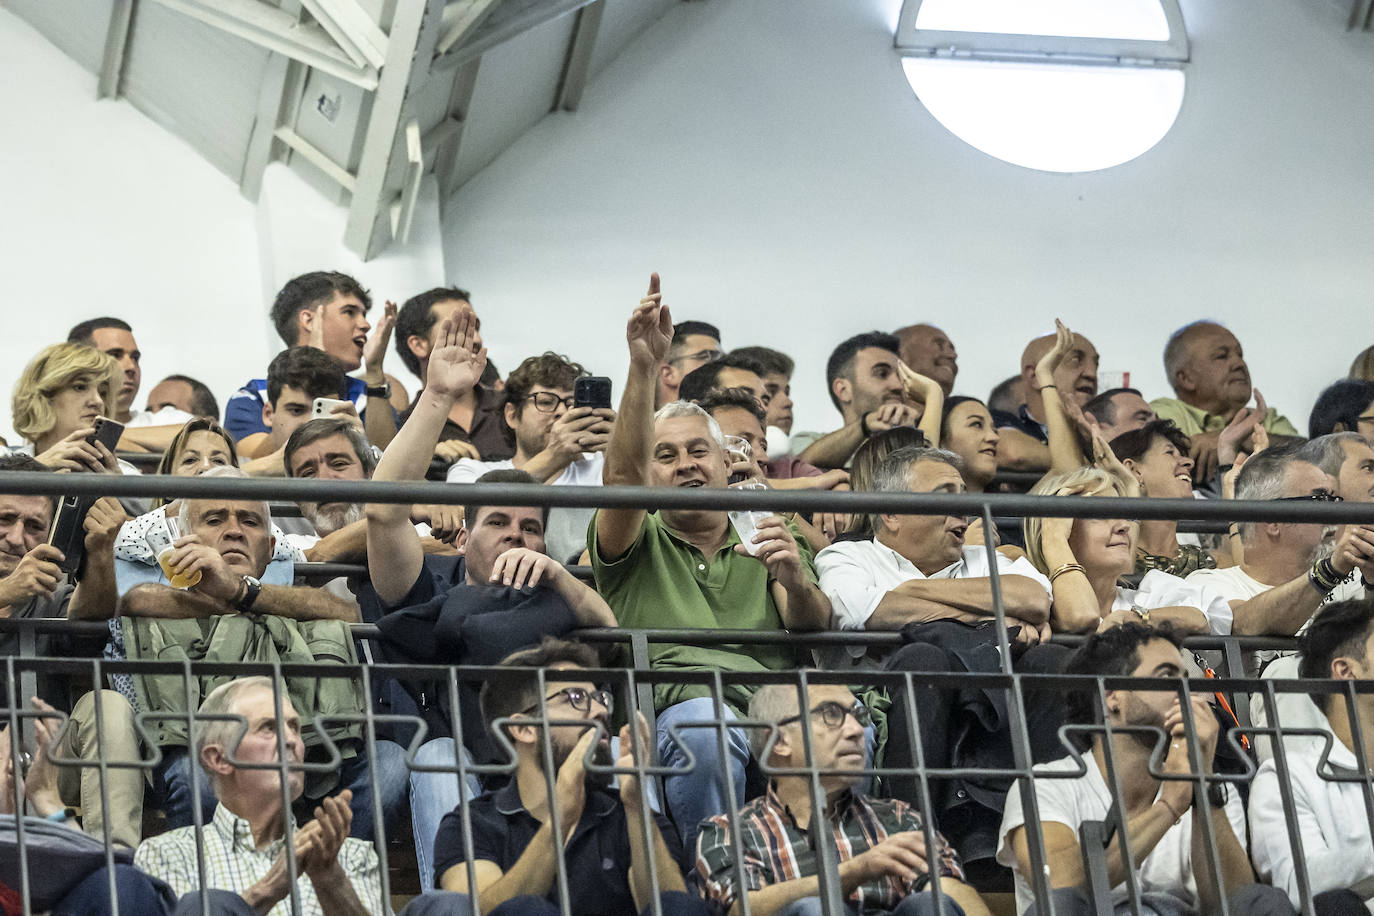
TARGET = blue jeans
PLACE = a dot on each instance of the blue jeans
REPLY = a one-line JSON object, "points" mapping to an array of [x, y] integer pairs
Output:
{"points": [[919, 903], [432, 795], [136, 892], [700, 793]]}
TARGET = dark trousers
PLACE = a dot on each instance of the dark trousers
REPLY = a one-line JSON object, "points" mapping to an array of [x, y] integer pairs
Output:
{"points": [[136, 892], [442, 903]]}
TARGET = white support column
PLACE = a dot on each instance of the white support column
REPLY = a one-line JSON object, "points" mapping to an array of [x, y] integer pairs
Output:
{"points": [[116, 40]]}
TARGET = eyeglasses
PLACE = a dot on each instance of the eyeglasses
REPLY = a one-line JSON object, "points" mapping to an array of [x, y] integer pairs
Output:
{"points": [[547, 401], [1319, 496], [832, 714], [705, 356], [580, 699]]}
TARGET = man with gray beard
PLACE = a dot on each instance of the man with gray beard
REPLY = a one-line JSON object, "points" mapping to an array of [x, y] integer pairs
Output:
{"points": [[331, 449]]}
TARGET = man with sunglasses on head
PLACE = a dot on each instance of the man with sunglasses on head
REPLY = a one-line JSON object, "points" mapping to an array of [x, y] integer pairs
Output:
{"points": [[694, 344], [881, 845], [554, 441], [611, 863]]}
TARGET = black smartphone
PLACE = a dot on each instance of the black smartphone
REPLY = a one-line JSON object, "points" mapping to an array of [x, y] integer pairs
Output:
{"points": [[68, 533], [107, 432], [592, 391]]}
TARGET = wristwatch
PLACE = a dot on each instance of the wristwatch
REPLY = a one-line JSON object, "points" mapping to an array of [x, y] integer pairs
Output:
{"points": [[251, 588], [379, 391]]}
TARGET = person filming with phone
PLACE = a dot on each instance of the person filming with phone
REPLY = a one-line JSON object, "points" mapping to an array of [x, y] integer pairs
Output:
{"points": [[61, 399], [690, 568]]}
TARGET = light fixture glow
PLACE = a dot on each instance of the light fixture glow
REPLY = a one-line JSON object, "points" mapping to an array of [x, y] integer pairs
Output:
{"points": [[1138, 19]]}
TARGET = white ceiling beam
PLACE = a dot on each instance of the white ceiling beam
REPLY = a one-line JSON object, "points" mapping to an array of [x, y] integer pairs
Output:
{"points": [[352, 28], [116, 40], [577, 67], [526, 16], [461, 19], [447, 145]]}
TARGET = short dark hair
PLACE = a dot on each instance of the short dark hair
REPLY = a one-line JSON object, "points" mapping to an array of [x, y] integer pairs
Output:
{"points": [[550, 369], [313, 371], [703, 380], [1114, 652], [1137, 442], [27, 463], [1001, 398], [1339, 629], [501, 475], [84, 333], [506, 693], [203, 403], [841, 361], [324, 427], [416, 317], [721, 398], [774, 362], [307, 292], [684, 329], [1102, 406], [1341, 403]]}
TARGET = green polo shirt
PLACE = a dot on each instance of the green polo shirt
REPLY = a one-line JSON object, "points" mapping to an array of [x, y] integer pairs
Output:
{"points": [[663, 581], [1193, 420]]}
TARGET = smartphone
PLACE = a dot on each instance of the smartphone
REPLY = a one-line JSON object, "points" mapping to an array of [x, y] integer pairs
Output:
{"points": [[324, 407], [592, 391], [107, 432], [68, 533]]}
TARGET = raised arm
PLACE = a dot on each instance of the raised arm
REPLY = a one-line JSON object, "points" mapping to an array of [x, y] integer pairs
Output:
{"points": [[381, 416], [928, 393], [394, 555], [96, 595], [1065, 454], [648, 333]]}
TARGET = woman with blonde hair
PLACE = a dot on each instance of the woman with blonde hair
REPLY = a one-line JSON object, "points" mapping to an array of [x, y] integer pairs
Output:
{"points": [[56, 401]]}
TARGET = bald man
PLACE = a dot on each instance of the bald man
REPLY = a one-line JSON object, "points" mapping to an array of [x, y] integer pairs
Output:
{"points": [[1207, 370], [929, 351], [1024, 441]]}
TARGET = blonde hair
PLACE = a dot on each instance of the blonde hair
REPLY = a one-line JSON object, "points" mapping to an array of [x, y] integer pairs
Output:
{"points": [[1085, 481], [53, 370]]}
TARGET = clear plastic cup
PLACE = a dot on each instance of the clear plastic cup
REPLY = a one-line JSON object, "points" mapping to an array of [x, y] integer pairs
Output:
{"points": [[746, 523], [161, 538]]}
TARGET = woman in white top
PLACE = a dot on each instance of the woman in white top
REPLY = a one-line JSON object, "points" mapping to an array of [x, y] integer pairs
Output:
{"points": [[1085, 559]]}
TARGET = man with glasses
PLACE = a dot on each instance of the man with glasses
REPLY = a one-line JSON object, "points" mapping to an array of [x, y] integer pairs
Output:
{"points": [[881, 845], [554, 441], [610, 861], [694, 344]]}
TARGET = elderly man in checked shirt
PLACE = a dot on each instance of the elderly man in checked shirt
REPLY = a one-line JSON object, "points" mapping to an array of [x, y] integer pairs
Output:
{"points": [[884, 863], [244, 844]]}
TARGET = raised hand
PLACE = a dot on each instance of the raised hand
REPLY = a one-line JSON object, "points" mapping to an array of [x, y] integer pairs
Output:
{"points": [[633, 747], [571, 787], [103, 521], [1063, 344], [40, 786], [582, 429], [37, 573], [650, 329], [333, 818], [1244, 427], [890, 416], [918, 387], [456, 363], [1105, 459], [453, 449], [776, 549], [190, 555], [520, 568], [374, 351]]}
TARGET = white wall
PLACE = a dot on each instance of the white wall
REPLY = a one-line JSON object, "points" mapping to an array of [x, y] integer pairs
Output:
{"points": [[769, 159]]}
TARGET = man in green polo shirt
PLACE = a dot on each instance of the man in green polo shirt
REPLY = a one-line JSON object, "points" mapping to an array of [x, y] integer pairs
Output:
{"points": [[1207, 370], [689, 569]]}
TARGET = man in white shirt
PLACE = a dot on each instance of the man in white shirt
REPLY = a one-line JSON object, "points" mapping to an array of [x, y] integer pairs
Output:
{"points": [[1331, 818], [916, 569], [1171, 865], [143, 429], [555, 442]]}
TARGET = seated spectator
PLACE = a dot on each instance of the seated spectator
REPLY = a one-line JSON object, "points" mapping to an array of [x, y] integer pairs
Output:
{"points": [[474, 427], [183, 393], [863, 471], [916, 574], [689, 568], [1211, 382], [1007, 395], [332, 448], [32, 585], [967, 430], [929, 352], [56, 401], [777, 383], [873, 391], [730, 371], [326, 311], [881, 850], [1119, 410], [1332, 824], [555, 443], [295, 378], [143, 430], [1171, 867], [1086, 558], [611, 862], [243, 847], [1156, 455], [1346, 406], [694, 344], [1025, 431], [223, 556]]}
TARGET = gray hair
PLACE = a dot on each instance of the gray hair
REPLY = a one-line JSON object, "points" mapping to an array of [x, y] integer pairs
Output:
{"points": [[893, 474], [675, 409], [1327, 452], [184, 513], [1175, 351], [1262, 479], [770, 703], [220, 702]]}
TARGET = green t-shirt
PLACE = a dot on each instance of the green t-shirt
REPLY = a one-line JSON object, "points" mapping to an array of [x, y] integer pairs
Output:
{"points": [[1193, 420], [662, 581]]}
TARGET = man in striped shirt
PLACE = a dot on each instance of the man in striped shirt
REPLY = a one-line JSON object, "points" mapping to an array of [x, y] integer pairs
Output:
{"points": [[880, 844]]}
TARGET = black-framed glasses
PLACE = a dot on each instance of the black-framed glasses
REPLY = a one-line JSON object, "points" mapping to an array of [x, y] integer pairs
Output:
{"points": [[547, 401], [706, 356], [832, 714], [1319, 496], [580, 699]]}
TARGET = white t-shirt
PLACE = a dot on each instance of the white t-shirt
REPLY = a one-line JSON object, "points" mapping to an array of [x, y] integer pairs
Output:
{"points": [[1168, 869], [1161, 589], [566, 533], [1331, 820], [165, 416], [1233, 582]]}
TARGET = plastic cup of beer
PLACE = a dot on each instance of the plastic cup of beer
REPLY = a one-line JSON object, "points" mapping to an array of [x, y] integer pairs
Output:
{"points": [[162, 539]]}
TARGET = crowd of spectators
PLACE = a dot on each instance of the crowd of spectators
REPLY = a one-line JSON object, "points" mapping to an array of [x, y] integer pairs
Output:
{"points": [[204, 815]]}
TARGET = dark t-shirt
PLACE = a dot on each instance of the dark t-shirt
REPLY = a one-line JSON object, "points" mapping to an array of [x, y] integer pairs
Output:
{"points": [[1021, 420], [488, 433], [597, 856], [55, 688]]}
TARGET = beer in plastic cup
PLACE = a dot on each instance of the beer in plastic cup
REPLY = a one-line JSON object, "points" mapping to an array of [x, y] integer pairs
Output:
{"points": [[162, 538]]}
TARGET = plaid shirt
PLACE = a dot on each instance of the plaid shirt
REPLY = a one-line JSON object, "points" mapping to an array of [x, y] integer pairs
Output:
{"points": [[233, 863], [776, 849]]}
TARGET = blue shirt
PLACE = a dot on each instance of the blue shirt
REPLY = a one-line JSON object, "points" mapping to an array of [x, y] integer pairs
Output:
{"points": [[243, 412]]}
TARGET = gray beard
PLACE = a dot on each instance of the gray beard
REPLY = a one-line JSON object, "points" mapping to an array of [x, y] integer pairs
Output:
{"points": [[327, 521]]}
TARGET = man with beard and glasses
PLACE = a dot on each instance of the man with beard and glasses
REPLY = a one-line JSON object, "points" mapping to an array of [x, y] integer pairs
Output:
{"points": [[607, 856], [1171, 867]]}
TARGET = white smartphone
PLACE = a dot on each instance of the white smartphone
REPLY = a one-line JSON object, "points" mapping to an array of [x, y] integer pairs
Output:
{"points": [[324, 407]]}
